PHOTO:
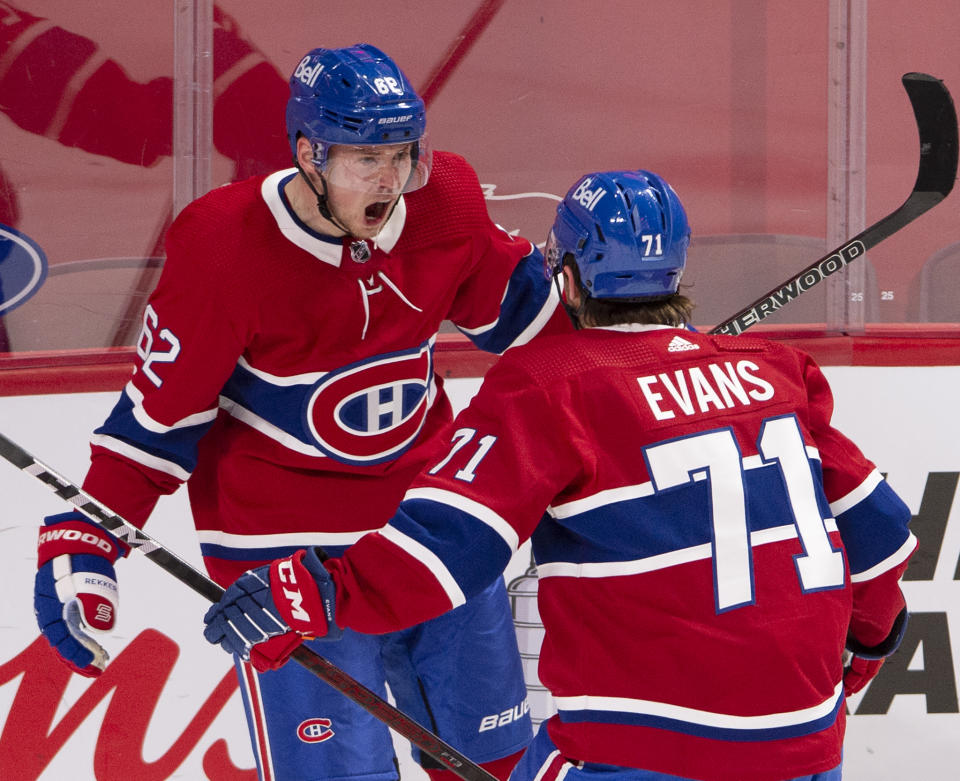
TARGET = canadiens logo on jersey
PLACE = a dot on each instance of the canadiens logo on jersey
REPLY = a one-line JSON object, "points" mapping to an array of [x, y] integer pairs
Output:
{"points": [[371, 411]]}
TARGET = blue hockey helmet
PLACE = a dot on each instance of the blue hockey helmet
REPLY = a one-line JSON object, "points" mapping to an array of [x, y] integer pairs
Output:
{"points": [[627, 232], [357, 97]]}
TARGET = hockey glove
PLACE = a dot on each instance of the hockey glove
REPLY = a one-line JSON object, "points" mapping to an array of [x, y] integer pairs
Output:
{"points": [[75, 591], [862, 663], [268, 611], [858, 672]]}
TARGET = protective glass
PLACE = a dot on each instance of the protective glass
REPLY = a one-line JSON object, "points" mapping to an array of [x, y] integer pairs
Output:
{"points": [[383, 169]]}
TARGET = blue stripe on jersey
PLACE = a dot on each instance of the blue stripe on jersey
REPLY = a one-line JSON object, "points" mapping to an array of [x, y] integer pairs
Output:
{"points": [[178, 445], [229, 553], [858, 527], [527, 292], [281, 405], [667, 521], [473, 553], [366, 412], [704, 730]]}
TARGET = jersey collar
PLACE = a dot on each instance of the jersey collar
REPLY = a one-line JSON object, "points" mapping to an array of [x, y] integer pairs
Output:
{"points": [[326, 248]]}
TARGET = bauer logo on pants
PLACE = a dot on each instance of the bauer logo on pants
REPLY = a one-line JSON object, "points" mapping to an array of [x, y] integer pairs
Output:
{"points": [[23, 268]]}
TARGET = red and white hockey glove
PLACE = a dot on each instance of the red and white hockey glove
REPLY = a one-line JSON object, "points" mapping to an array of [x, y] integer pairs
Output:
{"points": [[268, 611], [862, 663], [75, 590]]}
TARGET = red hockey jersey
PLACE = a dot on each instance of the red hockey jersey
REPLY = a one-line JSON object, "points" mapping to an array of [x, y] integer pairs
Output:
{"points": [[709, 539], [289, 376]]}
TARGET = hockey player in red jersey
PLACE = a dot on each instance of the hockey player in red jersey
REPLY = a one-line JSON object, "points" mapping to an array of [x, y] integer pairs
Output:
{"points": [[707, 543], [286, 374]]}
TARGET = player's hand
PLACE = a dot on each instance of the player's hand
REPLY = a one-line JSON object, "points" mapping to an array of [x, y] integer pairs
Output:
{"points": [[268, 611], [75, 591], [858, 672], [862, 662]]}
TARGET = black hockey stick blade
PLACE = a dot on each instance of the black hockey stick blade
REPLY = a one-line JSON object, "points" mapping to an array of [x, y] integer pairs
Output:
{"points": [[937, 125], [183, 571]]}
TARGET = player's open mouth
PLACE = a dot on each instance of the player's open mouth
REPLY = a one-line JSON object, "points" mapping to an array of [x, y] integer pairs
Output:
{"points": [[376, 211]]}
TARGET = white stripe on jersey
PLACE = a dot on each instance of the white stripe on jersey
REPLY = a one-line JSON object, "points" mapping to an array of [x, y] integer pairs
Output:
{"points": [[479, 511], [430, 560], [701, 717], [281, 540], [141, 457], [268, 429], [545, 313], [284, 381], [641, 490], [601, 499], [610, 569], [155, 426], [562, 771], [857, 495], [888, 563]]}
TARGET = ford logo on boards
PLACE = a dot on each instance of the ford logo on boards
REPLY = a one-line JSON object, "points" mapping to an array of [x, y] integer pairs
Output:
{"points": [[23, 268]]}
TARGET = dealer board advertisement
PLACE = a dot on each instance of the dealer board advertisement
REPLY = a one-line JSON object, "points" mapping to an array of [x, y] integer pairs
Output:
{"points": [[168, 707]]}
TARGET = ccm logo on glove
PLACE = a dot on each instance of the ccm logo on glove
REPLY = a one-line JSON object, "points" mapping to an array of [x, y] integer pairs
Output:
{"points": [[294, 591], [285, 574]]}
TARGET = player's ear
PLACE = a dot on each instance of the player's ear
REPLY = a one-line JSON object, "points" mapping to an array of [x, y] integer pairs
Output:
{"points": [[304, 153], [570, 287]]}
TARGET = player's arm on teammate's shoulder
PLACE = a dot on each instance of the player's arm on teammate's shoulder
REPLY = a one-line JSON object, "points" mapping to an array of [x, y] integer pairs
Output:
{"points": [[505, 298], [509, 301]]}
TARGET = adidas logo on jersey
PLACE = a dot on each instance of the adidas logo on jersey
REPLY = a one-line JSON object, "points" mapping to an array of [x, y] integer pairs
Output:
{"points": [[679, 344]]}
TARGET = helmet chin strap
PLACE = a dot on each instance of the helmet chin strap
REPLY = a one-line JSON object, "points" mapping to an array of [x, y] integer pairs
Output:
{"points": [[324, 208], [322, 205]]}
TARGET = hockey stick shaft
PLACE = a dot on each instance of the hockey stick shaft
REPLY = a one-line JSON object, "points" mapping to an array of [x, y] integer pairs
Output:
{"points": [[937, 125], [419, 736]]}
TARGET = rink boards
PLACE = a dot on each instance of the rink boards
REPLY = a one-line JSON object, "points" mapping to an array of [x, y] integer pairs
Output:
{"points": [[168, 706]]}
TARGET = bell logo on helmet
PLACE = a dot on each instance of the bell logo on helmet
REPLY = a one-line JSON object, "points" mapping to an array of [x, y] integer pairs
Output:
{"points": [[305, 73], [586, 197]]}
